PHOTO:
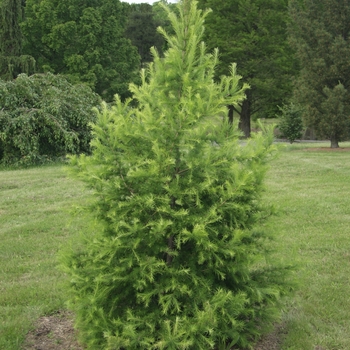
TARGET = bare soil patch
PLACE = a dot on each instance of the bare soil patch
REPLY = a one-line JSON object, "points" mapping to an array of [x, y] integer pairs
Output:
{"points": [[53, 332], [56, 332], [273, 340]]}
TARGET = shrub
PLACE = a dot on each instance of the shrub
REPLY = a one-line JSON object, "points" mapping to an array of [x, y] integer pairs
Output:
{"points": [[291, 122], [43, 117], [174, 259]]}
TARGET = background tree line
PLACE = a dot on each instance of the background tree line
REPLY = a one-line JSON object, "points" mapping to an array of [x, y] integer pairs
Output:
{"points": [[294, 50]]}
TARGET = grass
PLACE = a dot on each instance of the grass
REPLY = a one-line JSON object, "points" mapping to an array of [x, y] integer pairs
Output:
{"points": [[309, 188], [34, 223], [311, 191]]}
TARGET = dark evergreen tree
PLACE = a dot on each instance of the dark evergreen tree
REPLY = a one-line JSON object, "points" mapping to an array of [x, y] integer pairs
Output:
{"points": [[320, 33], [253, 33], [12, 62], [176, 257], [291, 122], [141, 29], [83, 40], [161, 16]]}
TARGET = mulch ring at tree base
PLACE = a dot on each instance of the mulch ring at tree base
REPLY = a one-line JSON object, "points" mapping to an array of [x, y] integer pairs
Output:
{"points": [[53, 332], [327, 149], [273, 340], [56, 332]]}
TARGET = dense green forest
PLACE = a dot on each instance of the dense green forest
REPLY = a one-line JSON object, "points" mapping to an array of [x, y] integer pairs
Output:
{"points": [[290, 53], [320, 33]]}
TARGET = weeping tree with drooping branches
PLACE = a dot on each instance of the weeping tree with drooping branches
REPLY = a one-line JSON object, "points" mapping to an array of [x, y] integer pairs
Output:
{"points": [[43, 117], [175, 258]]}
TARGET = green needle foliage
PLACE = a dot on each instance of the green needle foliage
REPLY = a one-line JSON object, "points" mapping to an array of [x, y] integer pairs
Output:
{"points": [[173, 260], [291, 122]]}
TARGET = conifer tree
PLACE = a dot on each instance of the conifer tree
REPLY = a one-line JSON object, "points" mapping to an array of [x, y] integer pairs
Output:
{"points": [[174, 259], [253, 33], [320, 33], [141, 29], [12, 62]]}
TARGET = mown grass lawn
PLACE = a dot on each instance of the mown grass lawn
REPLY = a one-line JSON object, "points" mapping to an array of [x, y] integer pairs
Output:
{"points": [[310, 190], [34, 223]]}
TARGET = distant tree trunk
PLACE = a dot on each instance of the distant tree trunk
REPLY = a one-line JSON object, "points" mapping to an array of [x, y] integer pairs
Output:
{"points": [[244, 120], [334, 142]]}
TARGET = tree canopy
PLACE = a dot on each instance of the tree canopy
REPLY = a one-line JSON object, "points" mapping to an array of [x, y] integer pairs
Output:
{"points": [[320, 33], [83, 40], [43, 117], [253, 33], [141, 29], [12, 62]]}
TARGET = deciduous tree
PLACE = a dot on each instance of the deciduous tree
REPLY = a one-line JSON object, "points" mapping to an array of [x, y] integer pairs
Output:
{"points": [[83, 40], [320, 33]]}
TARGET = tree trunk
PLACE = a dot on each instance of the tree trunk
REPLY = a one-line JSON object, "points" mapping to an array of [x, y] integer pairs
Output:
{"points": [[334, 142], [231, 110], [169, 257], [244, 120]]}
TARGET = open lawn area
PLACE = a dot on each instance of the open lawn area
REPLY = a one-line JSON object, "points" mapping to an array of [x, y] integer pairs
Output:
{"points": [[310, 188], [34, 223], [308, 185]]}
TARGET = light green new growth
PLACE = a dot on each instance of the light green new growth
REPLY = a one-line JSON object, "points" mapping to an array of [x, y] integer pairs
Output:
{"points": [[173, 261]]}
